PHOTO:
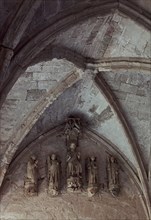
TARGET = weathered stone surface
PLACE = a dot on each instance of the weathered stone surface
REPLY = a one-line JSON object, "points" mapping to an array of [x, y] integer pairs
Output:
{"points": [[27, 91], [34, 94], [134, 96], [6, 55], [80, 32], [67, 205], [125, 42], [115, 38], [79, 100]]}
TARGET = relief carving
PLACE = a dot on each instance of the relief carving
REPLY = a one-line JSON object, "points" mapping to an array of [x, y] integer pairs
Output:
{"points": [[113, 176], [53, 175], [73, 168], [31, 180]]}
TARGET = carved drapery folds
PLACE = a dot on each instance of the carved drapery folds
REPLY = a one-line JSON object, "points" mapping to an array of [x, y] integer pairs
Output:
{"points": [[92, 176], [74, 168], [77, 177], [31, 179], [53, 175], [113, 175]]}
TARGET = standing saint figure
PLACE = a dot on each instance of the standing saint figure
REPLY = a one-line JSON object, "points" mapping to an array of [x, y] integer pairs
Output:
{"points": [[113, 176], [53, 175], [31, 179], [74, 168], [92, 172]]}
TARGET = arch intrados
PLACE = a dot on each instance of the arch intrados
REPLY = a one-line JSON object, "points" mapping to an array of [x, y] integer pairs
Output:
{"points": [[106, 63], [46, 36], [134, 141], [22, 59]]}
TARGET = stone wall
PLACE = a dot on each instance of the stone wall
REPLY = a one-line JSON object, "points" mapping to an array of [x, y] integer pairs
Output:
{"points": [[67, 206], [133, 89], [110, 36], [113, 35], [27, 91], [85, 101]]}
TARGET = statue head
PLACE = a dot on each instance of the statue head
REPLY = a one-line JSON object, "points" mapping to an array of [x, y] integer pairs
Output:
{"points": [[78, 155], [112, 159], [53, 157], [92, 158], [72, 146], [33, 157]]}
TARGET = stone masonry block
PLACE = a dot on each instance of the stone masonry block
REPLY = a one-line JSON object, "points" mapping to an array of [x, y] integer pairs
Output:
{"points": [[128, 88], [34, 68], [143, 116], [28, 74], [109, 75], [124, 78], [141, 92], [46, 84], [136, 99], [34, 94], [114, 85], [120, 95], [41, 76]]}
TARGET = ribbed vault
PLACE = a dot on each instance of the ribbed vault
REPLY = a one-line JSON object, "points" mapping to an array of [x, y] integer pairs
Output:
{"points": [[97, 57]]}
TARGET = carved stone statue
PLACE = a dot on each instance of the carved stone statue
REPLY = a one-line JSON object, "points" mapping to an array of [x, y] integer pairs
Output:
{"points": [[74, 169], [53, 175], [113, 176], [72, 131], [31, 180], [92, 172]]}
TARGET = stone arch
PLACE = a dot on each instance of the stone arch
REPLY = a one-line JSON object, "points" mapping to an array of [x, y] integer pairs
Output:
{"points": [[90, 65], [11, 149], [20, 62], [28, 123], [97, 138], [141, 170], [104, 64]]}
